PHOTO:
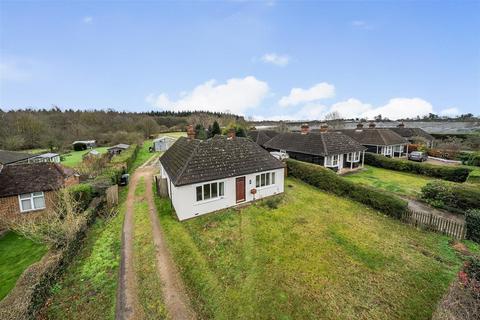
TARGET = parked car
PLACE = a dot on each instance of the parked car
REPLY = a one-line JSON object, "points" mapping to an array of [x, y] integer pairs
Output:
{"points": [[418, 156], [124, 179]]}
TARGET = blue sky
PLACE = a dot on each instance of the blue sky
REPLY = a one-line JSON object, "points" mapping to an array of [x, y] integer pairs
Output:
{"points": [[265, 59]]}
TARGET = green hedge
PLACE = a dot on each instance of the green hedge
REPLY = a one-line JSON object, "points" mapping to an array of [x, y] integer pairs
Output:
{"points": [[82, 193], [127, 157], [329, 181], [454, 197], [451, 173], [474, 177], [471, 158], [472, 223]]}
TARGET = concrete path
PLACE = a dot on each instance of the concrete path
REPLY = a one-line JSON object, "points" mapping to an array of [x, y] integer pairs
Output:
{"points": [[419, 206]]}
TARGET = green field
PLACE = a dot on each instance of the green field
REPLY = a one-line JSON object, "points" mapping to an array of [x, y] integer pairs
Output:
{"points": [[16, 255], [74, 158], [316, 256], [403, 183], [174, 134]]}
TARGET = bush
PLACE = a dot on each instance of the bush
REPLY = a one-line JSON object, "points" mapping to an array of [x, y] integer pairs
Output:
{"points": [[127, 157], [451, 173], [451, 196], [474, 177], [82, 194], [472, 223], [471, 159], [327, 180], [272, 202]]}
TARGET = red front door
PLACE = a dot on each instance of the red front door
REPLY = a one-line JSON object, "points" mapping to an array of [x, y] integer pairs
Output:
{"points": [[240, 187]]}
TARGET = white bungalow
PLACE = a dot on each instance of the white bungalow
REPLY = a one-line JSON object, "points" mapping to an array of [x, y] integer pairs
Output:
{"points": [[206, 176]]}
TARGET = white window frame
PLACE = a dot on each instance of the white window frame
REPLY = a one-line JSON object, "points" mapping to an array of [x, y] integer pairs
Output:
{"points": [[268, 177], [356, 156], [31, 197], [220, 191], [332, 161], [387, 150]]}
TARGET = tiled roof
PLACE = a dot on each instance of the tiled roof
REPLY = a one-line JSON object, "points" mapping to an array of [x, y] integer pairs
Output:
{"points": [[191, 161], [119, 146], [7, 157], [374, 136], [261, 136], [412, 132], [33, 177], [321, 144]]}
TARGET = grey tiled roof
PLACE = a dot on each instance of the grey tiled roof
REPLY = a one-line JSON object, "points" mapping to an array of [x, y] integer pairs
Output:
{"points": [[261, 136], [321, 144], [192, 161], [120, 146], [375, 136], [7, 157], [413, 132]]}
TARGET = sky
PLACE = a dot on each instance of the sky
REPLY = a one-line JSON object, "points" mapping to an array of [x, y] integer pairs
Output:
{"points": [[263, 59]]}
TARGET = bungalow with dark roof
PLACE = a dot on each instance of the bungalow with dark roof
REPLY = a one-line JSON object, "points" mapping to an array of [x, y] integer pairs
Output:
{"points": [[414, 135], [117, 149], [378, 140], [29, 188], [221, 172], [261, 136], [329, 149], [13, 157]]}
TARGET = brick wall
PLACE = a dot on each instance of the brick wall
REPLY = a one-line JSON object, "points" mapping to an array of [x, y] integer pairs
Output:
{"points": [[10, 207]]}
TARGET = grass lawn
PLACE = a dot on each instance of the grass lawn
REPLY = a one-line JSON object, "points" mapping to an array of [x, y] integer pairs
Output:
{"points": [[143, 154], [174, 134], [316, 256], [74, 158], [403, 183], [16, 254]]}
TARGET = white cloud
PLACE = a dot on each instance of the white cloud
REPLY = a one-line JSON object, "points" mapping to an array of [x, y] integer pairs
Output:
{"points": [[450, 112], [298, 95], [361, 24], [236, 96], [398, 108], [276, 59], [88, 19], [351, 108]]}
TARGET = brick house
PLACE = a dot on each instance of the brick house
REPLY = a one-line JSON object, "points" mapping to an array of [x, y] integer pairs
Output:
{"points": [[29, 189]]}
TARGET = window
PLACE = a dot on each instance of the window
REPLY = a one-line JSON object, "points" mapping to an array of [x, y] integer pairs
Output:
{"points": [[31, 201], [210, 191], [331, 161], [353, 157], [265, 179]]}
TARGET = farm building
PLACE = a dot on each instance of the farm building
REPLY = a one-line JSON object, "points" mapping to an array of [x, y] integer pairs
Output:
{"points": [[163, 143], [12, 157], [378, 140], [117, 149], [83, 145], [29, 188], [206, 176], [329, 149], [45, 157]]}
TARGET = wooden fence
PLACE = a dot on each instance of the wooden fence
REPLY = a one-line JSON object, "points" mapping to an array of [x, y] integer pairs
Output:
{"points": [[435, 223], [112, 195]]}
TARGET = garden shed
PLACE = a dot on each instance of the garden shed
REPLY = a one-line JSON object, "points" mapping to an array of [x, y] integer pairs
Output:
{"points": [[163, 143]]}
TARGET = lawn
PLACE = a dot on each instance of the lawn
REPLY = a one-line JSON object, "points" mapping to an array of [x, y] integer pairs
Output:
{"points": [[316, 256], [74, 158], [174, 134], [16, 254], [403, 183]]}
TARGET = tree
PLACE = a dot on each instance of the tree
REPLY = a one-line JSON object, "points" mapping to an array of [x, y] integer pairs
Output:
{"points": [[333, 118], [200, 132], [216, 129]]}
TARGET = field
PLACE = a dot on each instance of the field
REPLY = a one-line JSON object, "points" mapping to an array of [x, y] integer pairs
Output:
{"points": [[403, 183], [316, 256], [16, 255], [74, 158], [174, 134]]}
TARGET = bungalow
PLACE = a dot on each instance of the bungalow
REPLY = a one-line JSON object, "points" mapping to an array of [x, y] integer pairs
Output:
{"points": [[45, 157], [329, 149], [378, 140], [206, 176], [29, 188], [83, 145], [163, 143], [117, 149], [414, 135], [12, 157], [261, 136]]}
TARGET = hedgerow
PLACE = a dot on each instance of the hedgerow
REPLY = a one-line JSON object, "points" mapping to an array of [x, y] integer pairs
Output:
{"points": [[454, 197], [474, 177], [472, 223], [450, 173], [327, 180]]}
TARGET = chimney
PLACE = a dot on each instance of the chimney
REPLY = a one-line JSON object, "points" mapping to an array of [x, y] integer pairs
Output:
{"points": [[305, 128], [231, 134], [401, 125], [324, 127], [371, 124], [190, 132], [359, 125]]}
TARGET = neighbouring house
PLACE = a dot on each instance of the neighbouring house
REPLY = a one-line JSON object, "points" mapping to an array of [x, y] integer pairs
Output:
{"points": [[330, 149], [414, 135], [221, 172], [30, 188], [117, 149], [12, 157], [83, 145], [378, 140], [261, 136], [162, 143], [45, 157]]}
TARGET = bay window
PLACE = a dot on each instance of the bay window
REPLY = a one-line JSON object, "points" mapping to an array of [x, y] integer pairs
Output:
{"points": [[210, 191], [31, 201], [353, 156]]}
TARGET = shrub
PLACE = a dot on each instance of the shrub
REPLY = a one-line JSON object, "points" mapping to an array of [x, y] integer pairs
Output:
{"points": [[471, 159], [127, 157], [451, 196], [272, 202], [82, 194], [327, 180], [451, 173], [472, 223], [474, 177]]}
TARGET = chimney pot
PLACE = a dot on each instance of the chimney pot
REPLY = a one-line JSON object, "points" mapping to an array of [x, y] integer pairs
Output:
{"points": [[305, 128], [371, 124], [231, 134], [360, 125], [190, 132], [324, 127], [401, 125]]}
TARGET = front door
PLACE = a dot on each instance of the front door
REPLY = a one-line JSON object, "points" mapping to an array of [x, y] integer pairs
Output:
{"points": [[240, 189]]}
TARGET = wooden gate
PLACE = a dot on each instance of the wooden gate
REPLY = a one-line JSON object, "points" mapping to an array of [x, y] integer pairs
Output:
{"points": [[435, 223]]}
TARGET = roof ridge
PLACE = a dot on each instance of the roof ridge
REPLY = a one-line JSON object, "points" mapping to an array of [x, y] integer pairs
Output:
{"points": [[324, 145], [179, 175]]}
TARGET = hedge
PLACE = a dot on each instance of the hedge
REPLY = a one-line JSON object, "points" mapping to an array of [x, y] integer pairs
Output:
{"points": [[82, 193], [472, 223], [329, 181], [474, 177], [471, 158], [451, 173], [127, 157], [454, 197]]}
